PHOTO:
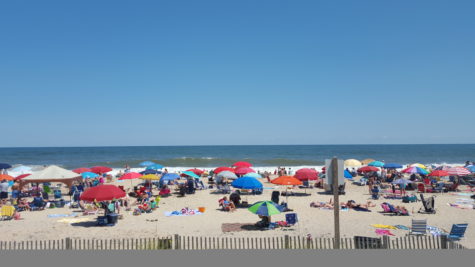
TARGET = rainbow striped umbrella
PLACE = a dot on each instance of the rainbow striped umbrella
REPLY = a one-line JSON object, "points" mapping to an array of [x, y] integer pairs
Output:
{"points": [[412, 170]]}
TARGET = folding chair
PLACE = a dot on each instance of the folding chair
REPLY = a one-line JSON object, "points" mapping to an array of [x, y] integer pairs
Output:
{"points": [[419, 227], [457, 231]]}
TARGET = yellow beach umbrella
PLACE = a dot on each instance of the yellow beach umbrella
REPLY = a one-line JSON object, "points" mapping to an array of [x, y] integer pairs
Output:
{"points": [[150, 177], [367, 161], [352, 163], [419, 165]]}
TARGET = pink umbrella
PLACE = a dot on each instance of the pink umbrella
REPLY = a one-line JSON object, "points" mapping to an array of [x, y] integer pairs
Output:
{"points": [[242, 164], [306, 174], [243, 170], [130, 175], [459, 171]]}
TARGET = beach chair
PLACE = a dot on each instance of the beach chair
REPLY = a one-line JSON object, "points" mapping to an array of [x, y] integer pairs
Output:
{"points": [[440, 188], [457, 231], [419, 227], [427, 205], [90, 210], [421, 188], [291, 219], [37, 204], [7, 212]]}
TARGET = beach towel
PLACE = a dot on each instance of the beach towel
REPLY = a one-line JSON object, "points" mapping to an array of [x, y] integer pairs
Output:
{"points": [[461, 206], [341, 209], [435, 231], [62, 215], [361, 209], [76, 220], [383, 232], [182, 212], [401, 227], [461, 194], [384, 226]]}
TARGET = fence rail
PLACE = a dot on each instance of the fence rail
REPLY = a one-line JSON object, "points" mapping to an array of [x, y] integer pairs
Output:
{"points": [[178, 242]]}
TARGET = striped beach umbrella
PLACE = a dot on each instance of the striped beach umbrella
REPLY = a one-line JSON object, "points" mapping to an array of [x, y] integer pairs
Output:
{"points": [[459, 171], [413, 170]]}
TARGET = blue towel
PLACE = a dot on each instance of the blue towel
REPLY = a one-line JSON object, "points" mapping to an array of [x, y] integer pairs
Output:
{"points": [[61, 215], [402, 227]]}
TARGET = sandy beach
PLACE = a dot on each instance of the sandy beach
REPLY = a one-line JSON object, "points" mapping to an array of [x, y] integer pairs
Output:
{"points": [[36, 225]]}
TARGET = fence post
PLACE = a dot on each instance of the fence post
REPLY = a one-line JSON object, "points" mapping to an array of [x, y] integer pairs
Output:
{"points": [[443, 242], [386, 242], [177, 241], [287, 241], [69, 244]]}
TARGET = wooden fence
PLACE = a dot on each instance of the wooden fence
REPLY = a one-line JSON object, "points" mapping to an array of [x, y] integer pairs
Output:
{"points": [[177, 242]]}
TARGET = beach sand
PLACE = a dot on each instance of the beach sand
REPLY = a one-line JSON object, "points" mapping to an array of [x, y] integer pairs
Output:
{"points": [[317, 222]]}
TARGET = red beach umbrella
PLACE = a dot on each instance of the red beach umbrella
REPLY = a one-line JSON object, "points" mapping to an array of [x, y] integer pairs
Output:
{"points": [[19, 177], [102, 192], [459, 171], [81, 170], [221, 169], [243, 170], [196, 171], [100, 169], [306, 174], [439, 173], [368, 169], [242, 164], [130, 175]]}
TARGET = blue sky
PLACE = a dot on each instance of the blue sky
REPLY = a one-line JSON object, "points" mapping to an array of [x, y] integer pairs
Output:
{"points": [[100, 73]]}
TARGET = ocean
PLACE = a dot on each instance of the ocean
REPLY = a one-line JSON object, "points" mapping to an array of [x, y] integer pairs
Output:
{"points": [[265, 157]]}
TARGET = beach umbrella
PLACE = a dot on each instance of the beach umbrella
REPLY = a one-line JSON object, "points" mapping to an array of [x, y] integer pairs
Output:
{"points": [[392, 166], [169, 177], [6, 177], [412, 170], [422, 166], [286, 180], [102, 193], [221, 169], [439, 173], [306, 174], [366, 161], [459, 171], [352, 163], [266, 208], [4, 166], [150, 172], [191, 174], [376, 163], [368, 169], [402, 181], [242, 164], [87, 175], [150, 177], [347, 174], [196, 171], [130, 176], [226, 175], [100, 169], [81, 170], [243, 170], [254, 175], [443, 167], [154, 167], [247, 183], [19, 177], [21, 169], [147, 163], [471, 168]]}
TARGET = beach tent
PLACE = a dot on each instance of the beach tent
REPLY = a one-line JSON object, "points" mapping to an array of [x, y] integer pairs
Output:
{"points": [[52, 174]]}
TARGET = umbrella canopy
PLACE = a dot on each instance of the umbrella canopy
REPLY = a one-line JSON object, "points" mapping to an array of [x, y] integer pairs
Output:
{"points": [[306, 174], [169, 177], [402, 181], [392, 166], [102, 193], [422, 166], [352, 163], [21, 169], [247, 183], [87, 175], [286, 180], [254, 175], [439, 173], [243, 170], [150, 172], [6, 177], [460, 171], [52, 174], [242, 164], [367, 161], [155, 167], [191, 174], [376, 163], [368, 169], [227, 175], [100, 169], [221, 169], [265, 208], [4, 166], [146, 163], [412, 170], [471, 168], [81, 170], [348, 175], [19, 177], [130, 175], [150, 177], [196, 171]]}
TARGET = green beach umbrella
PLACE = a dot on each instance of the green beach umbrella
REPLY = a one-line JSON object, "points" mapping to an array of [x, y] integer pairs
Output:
{"points": [[266, 208], [191, 174]]}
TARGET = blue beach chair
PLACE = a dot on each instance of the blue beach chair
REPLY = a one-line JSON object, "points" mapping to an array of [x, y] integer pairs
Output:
{"points": [[457, 231]]}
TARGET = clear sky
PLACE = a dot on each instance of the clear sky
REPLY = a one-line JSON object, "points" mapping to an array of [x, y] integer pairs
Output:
{"points": [[100, 73]]}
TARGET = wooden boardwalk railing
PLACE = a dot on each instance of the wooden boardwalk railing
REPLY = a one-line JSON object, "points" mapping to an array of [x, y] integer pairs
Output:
{"points": [[177, 242]]}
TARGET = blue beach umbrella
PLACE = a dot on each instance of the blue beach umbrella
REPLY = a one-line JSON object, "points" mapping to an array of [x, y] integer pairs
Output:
{"points": [[348, 175], [254, 175], [471, 168], [150, 172], [191, 174], [154, 167], [247, 183], [376, 164], [147, 163], [169, 177], [87, 175], [392, 166], [4, 166]]}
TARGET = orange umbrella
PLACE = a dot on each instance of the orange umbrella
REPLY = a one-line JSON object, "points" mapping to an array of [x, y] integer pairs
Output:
{"points": [[6, 177], [286, 180]]}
